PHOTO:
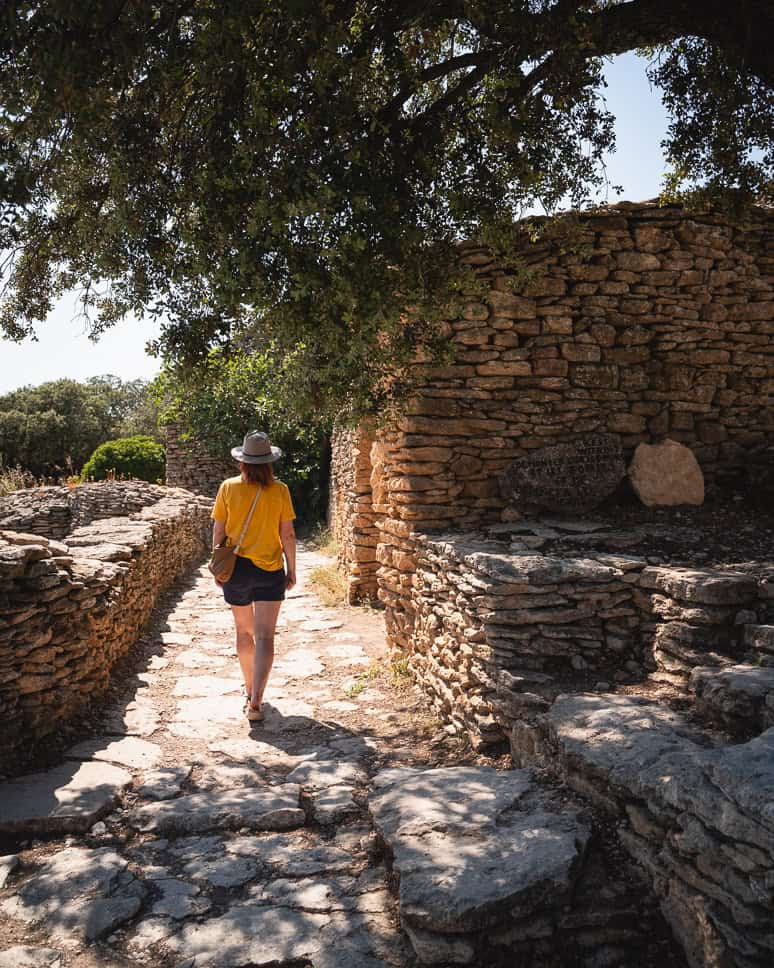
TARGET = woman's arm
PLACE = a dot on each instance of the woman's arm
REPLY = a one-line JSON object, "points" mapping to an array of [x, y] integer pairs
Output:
{"points": [[288, 539], [218, 533]]}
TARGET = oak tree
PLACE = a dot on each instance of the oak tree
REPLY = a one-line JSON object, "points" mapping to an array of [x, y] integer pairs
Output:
{"points": [[288, 176]]}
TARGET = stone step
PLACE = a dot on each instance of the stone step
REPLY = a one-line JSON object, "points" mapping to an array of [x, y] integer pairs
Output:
{"points": [[494, 870], [701, 585], [739, 697], [697, 817]]}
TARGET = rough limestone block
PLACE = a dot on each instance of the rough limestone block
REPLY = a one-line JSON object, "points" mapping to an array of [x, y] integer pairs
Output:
{"points": [[666, 474], [468, 849], [68, 799]]}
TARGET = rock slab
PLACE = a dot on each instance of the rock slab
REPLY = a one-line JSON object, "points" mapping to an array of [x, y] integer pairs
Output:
{"points": [[666, 474], [473, 848], [67, 799]]}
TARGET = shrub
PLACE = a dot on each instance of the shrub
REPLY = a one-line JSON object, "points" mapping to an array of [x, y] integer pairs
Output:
{"points": [[139, 457]]}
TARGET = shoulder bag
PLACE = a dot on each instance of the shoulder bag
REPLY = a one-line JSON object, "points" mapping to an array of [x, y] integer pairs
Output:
{"points": [[223, 558]]}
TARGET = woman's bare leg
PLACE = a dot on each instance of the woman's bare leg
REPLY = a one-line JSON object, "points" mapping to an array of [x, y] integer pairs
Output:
{"points": [[265, 622], [245, 642]]}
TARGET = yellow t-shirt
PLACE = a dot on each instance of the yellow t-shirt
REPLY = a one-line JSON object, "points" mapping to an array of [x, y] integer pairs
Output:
{"points": [[261, 543]]}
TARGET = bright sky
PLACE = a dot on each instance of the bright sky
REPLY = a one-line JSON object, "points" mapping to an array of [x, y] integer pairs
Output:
{"points": [[64, 350]]}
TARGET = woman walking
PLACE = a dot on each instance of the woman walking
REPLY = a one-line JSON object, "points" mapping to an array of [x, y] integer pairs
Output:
{"points": [[257, 586]]}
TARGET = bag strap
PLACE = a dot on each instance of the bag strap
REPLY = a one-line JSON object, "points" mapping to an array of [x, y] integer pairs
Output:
{"points": [[238, 545]]}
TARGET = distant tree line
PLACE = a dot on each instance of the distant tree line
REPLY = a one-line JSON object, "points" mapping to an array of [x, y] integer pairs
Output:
{"points": [[50, 430]]}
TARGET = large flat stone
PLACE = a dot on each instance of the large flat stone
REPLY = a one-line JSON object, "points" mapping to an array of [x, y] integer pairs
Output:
{"points": [[79, 893], [67, 799], [271, 809], [132, 752], [317, 774], [250, 933], [466, 852], [701, 585]]}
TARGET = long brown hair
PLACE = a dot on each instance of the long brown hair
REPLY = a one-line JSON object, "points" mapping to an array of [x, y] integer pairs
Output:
{"points": [[262, 474]]}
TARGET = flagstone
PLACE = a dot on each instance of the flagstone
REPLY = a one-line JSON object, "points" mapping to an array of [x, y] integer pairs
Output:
{"points": [[275, 808], [69, 798], [206, 685], [130, 751]]}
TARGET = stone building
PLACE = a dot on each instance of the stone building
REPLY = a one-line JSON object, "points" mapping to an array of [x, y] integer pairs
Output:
{"points": [[642, 321], [644, 683]]}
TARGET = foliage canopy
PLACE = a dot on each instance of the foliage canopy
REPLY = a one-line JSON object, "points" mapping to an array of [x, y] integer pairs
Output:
{"points": [[273, 171], [231, 394], [52, 428]]}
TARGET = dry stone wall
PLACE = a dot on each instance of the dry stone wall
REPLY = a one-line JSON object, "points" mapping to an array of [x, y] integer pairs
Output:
{"points": [[640, 321], [351, 513], [70, 608], [528, 647], [190, 464]]}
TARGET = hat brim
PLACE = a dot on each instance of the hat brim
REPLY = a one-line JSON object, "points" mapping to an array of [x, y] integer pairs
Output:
{"points": [[238, 454]]}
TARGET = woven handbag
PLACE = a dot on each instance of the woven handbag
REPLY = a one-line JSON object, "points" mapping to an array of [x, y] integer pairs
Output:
{"points": [[223, 558]]}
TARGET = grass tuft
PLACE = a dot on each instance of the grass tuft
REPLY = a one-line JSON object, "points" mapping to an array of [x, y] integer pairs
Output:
{"points": [[330, 585]]}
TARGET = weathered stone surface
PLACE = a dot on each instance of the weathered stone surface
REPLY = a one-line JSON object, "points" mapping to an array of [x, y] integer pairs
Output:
{"points": [[739, 696], [251, 934], [25, 956], [163, 784], [573, 476], [334, 804], [703, 818], [189, 686], [464, 849], [666, 474], [131, 752], [317, 774], [79, 892], [703, 585], [8, 865], [179, 900], [225, 776], [273, 809], [68, 798], [223, 871]]}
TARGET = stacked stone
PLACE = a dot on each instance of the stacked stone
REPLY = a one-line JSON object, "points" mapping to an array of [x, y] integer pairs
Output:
{"points": [[69, 611], [491, 636], [351, 513], [53, 512], [637, 320], [695, 617], [697, 819], [495, 869], [44, 511], [192, 466]]}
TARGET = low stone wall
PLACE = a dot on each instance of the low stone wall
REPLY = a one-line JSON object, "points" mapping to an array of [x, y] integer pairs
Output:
{"points": [[192, 466], [527, 647], [492, 635], [697, 818], [351, 514], [54, 512], [69, 610]]}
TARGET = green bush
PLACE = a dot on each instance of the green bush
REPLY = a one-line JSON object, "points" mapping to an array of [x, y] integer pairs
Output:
{"points": [[139, 457]]}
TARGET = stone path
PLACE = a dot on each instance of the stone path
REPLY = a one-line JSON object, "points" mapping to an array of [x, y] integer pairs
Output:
{"points": [[183, 836], [348, 830]]}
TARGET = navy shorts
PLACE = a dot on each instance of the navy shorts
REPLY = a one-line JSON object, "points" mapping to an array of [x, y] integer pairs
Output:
{"points": [[249, 583]]}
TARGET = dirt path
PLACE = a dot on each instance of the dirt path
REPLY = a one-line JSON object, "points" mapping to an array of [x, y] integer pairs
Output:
{"points": [[229, 844]]}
